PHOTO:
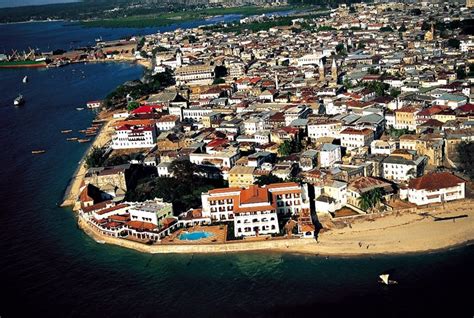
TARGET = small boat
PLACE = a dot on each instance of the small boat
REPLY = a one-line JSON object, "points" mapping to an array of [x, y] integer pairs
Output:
{"points": [[66, 131], [72, 139], [83, 131], [25, 79], [19, 100], [80, 108], [37, 152], [83, 140], [100, 241], [384, 279]]}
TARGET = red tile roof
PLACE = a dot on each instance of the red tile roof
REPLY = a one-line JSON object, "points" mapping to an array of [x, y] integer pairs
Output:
{"points": [[435, 181]]}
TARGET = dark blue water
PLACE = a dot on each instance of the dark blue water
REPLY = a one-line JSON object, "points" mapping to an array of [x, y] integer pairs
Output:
{"points": [[48, 267]]}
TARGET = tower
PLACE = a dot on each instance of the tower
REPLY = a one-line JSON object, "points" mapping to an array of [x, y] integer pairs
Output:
{"points": [[321, 70], [179, 58], [334, 71], [276, 82]]}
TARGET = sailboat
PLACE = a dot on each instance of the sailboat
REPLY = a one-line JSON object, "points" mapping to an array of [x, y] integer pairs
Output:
{"points": [[384, 279], [25, 79]]}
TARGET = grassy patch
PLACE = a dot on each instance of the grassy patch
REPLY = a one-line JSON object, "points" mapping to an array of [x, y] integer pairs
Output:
{"points": [[157, 20]]}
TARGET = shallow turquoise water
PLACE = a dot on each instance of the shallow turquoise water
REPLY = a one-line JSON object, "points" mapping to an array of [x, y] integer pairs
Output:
{"points": [[194, 236]]}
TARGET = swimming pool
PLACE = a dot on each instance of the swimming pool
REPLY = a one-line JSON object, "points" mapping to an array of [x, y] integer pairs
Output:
{"points": [[194, 236]]}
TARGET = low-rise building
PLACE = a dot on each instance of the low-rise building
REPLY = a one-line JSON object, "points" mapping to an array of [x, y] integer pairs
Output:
{"points": [[436, 188]]}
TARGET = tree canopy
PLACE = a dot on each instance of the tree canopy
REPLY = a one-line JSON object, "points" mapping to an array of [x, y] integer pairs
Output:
{"points": [[465, 152]]}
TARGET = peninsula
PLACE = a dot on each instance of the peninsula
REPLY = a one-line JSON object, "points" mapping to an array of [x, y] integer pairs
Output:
{"points": [[347, 133]]}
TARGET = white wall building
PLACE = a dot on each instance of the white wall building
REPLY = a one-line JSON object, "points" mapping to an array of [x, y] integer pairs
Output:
{"points": [[354, 138], [329, 154], [127, 137], [436, 188]]}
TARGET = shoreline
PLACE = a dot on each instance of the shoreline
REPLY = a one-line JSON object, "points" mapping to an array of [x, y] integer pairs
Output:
{"points": [[391, 234]]}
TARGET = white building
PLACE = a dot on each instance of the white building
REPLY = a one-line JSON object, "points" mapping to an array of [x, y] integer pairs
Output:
{"points": [[354, 138], [128, 136], [309, 59], [401, 169], [195, 73], [254, 210], [151, 211], [382, 147], [167, 122], [318, 128], [329, 154], [436, 188]]}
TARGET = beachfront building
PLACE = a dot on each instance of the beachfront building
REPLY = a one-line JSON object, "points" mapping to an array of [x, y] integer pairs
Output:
{"points": [[436, 188], [254, 210], [361, 185], [151, 211], [130, 136]]}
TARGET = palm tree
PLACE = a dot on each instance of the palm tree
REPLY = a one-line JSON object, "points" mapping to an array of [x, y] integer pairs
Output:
{"points": [[365, 201], [370, 199]]}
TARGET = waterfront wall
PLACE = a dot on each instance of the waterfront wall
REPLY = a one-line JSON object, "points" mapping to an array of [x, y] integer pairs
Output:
{"points": [[237, 246]]}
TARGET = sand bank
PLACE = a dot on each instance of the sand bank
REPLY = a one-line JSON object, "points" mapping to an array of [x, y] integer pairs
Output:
{"points": [[393, 233]]}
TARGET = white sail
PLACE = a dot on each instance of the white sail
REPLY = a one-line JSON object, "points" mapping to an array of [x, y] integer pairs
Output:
{"points": [[384, 278]]}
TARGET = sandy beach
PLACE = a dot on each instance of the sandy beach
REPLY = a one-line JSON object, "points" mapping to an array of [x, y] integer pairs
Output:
{"points": [[104, 136], [393, 233]]}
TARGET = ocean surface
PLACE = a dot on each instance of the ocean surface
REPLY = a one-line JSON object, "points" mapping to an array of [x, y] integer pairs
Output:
{"points": [[48, 267]]}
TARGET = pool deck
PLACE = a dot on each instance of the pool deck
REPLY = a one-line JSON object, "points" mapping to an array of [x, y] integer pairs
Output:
{"points": [[219, 233]]}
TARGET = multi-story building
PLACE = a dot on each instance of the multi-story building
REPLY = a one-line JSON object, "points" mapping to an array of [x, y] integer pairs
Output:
{"points": [[241, 176], [354, 138], [436, 188], [167, 122], [128, 136], [195, 73], [398, 168], [151, 211], [329, 154], [405, 118], [319, 127], [254, 210], [382, 147]]}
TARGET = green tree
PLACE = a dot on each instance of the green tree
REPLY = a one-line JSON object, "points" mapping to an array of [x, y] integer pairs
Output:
{"points": [[339, 47], [386, 29], [465, 151], [95, 158], [267, 179], [285, 148], [218, 81], [132, 106], [402, 28], [370, 199], [454, 43], [183, 170], [461, 72], [395, 92]]}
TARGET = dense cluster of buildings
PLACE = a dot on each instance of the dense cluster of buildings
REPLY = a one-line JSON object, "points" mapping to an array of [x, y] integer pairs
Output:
{"points": [[371, 96]]}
